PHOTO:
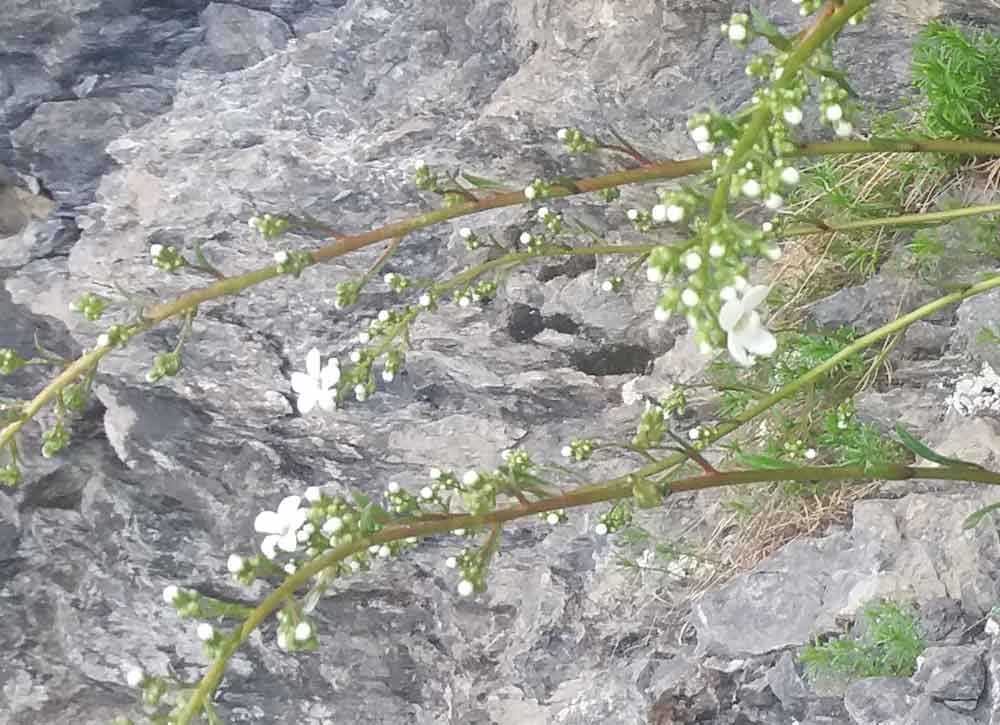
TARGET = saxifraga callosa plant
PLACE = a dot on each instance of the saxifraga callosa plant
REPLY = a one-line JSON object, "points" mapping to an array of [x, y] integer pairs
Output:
{"points": [[748, 167]]}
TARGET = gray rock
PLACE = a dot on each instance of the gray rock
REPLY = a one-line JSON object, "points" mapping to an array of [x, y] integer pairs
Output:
{"points": [[880, 700], [942, 619], [952, 673], [974, 316], [236, 37], [787, 685], [928, 712]]}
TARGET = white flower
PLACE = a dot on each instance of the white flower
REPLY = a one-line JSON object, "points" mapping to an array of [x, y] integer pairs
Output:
{"points": [[364, 338], [525, 237], [425, 300], [135, 676], [767, 227], [751, 188], [303, 631], [206, 632], [384, 552], [810, 453], [737, 32], [716, 250], [312, 494], [282, 639], [654, 274], [103, 340], [465, 232], [793, 115], [552, 519], [566, 452], [834, 112], [675, 213], [280, 257], [451, 562], [332, 525], [427, 493], [706, 147], [692, 260], [689, 297], [543, 212], [660, 314], [360, 392], [562, 134], [699, 134], [843, 128], [317, 385], [281, 526], [459, 532], [434, 474], [393, 487], [601, 529], [419, 165], [607, 286], [464, 301], [790, 175], [746, 336], [235, 563], [529, 192], [992, 628], [355, 356], [773, 253], [170, 593], [383, 315], [659, 213], [695, 433], [470, 478], [465, 588], [632, 214], [774, 201], [156, 250], [388, 376]]}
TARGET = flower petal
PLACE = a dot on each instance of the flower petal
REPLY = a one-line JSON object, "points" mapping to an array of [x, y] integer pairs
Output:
{"points": [[288, 507], [307, 400], [268, 544], [312, 364], [327, 401], [296, 519], [757, 338], [268, 522], [754, 296], [730, 314], [737, 350], [330, 376], [288, 542], [302, 382]]}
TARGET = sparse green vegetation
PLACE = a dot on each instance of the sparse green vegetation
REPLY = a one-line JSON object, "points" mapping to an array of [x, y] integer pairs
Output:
{"points": [[884, 642]]}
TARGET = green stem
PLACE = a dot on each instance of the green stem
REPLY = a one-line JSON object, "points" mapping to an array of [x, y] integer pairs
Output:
{"points": [[610, 491], [927, 218]]}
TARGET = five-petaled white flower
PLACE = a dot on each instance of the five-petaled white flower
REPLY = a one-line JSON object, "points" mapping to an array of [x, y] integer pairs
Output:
{"points": [[739, 319], [281, 526], [317, 385]]}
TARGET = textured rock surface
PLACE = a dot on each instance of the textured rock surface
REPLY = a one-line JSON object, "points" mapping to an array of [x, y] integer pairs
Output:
{"points": [[177, 121]]}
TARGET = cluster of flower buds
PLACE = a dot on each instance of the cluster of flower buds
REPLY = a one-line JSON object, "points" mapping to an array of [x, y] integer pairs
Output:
{"points": [[482, 293], [424, 178], [537, 189], [292, 262], [54, 440], [165, 365], [10, 361], [90, 305], [470, 238], [613, 284], [552, 221], [166, 258], [575, 141], [346, 294], [737, 30], [579, 449], [269, 227], [614, 520]]}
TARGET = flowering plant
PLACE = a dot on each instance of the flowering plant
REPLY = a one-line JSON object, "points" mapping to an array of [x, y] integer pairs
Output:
{"points": [[721, 226]]}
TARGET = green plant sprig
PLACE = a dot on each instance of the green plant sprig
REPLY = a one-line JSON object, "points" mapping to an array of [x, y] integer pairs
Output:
{"points": [[87, 363], [609, 491]]}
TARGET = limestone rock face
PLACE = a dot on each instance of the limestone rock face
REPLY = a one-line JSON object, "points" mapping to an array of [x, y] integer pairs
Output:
{"points": [[165, 123]]}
